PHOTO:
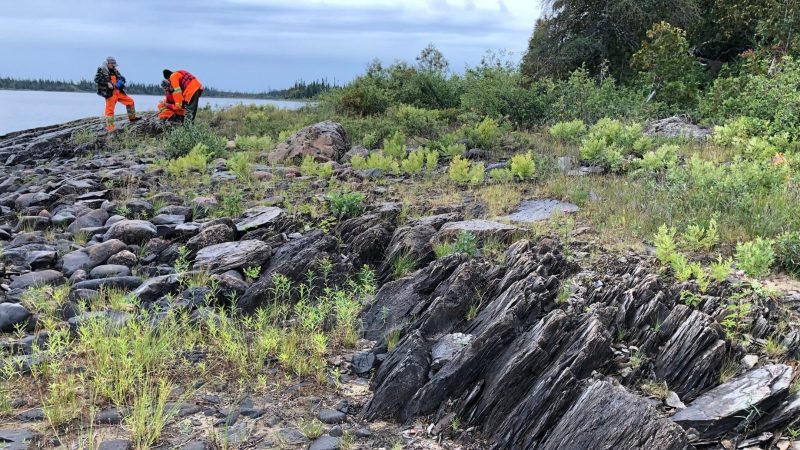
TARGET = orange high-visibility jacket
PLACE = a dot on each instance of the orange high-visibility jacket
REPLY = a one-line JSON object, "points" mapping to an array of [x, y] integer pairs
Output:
{"points": [[184, 86]]}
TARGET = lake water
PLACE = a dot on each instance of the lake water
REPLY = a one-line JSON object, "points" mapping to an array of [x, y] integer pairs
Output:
{"points": [[20, 110]]}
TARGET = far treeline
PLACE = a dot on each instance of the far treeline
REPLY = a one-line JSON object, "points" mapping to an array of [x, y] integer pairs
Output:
{"points": [[300, 89], [711, 60]]}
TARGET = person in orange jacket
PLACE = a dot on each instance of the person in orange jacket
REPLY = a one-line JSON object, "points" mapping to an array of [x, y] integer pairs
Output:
{"points": [[186, 90], [111, 86], [167, 110]]}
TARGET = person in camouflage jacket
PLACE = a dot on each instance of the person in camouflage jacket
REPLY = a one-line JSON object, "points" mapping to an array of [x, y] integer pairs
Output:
{"points": [[111, 86]]}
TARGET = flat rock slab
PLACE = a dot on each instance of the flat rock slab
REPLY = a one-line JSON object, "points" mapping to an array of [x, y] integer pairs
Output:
{"points": [[16, 438], [536, 210], [258, 217], [291, 436], [232, 256], [131, 231], [727, 406], [325, 443], [41, 278], [482, 229], [331, 416]]}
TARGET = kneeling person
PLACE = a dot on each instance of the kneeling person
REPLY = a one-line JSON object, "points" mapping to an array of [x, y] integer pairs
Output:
{"points": [[186, 90], [167, 110]]}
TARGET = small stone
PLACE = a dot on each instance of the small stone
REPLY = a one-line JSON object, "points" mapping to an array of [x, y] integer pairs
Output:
{"points": [[109, 416], [331, 416], [336, 431], [325, 443], [291, 436], [363, 432], [116, 444], [673, 401], [749, 361]]}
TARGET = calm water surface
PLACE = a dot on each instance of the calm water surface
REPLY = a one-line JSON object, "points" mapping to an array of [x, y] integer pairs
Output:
{"points": [[20, 110]]}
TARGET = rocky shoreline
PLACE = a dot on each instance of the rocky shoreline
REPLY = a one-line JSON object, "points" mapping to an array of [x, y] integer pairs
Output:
{"points": [[536, 349]]}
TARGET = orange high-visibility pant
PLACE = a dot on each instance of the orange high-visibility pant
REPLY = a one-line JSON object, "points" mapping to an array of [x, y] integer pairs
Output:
{"points": [[165, 113], [111, 103]]}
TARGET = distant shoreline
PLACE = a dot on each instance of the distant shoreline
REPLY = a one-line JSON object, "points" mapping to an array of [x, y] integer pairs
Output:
{"points": [[243, 97]]}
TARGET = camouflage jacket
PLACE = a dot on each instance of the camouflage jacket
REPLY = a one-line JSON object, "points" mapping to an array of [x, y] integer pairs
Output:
{"points": [[102, 78]]}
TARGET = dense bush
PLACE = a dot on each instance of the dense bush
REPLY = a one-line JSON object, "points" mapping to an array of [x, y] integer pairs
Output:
{"points": [[486, 134], [755, 257], [416, 121], [609, 141], [462, 172], [180, 140], [757, 94], [345, 205], [523, 166], [787, 252], [569, 132]]}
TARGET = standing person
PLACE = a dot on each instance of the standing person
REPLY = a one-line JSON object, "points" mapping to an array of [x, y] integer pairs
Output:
{"points": [[111, 86], [166, 107], [186, 90]]}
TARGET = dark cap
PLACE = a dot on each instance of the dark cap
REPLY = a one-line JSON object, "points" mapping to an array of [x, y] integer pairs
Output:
{"points": [[167, 74]]}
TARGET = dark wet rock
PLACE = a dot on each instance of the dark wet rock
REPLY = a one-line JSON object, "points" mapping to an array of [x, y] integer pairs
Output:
{"points": [[691, 359], [325, 141], [785, 414], [16, 438], [90, 257], [13, 315], [291, 436], [110, 416], [726, 407], [115, 444], [331, 416], [32, 199], [325, 443], [155, 288], [126, 283], [32, 415], [219, 258], [168, 220], [413, 240], [212, 235], [123, 258], [26, 345], [367, 236], [626, 423], [258, 217], [362, 362], [109, 270], [131, 231], [293, 259], [139, 208], [399, 299], [40, 278], [536, 210], [31, 257], [91, 219]]}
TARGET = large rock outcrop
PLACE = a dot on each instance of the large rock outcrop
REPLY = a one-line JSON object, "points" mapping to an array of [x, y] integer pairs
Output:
{"points": [[325, 141]]}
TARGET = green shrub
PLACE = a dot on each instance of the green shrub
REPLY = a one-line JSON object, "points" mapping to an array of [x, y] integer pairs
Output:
{"points": [[503, 175], [416, 121], [254, 143], [738, 130], [787, 252], [698, 237], [569, 132], [597, 151], [452, 150], [415, 162], [364, 96], [486, 134], [370, 140], [431, 160], [459, 170], [195, 161], [346, 204], [663, 158], [721, 269], [310, 167], [376, 160], [239, 164], [181, 140], [755, 257], [395, 146], [523, 166], [465, 243], [664, 241]]}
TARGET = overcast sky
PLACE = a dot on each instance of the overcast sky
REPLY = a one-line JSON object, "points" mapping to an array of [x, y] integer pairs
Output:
{"points": [[251, 45]]}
